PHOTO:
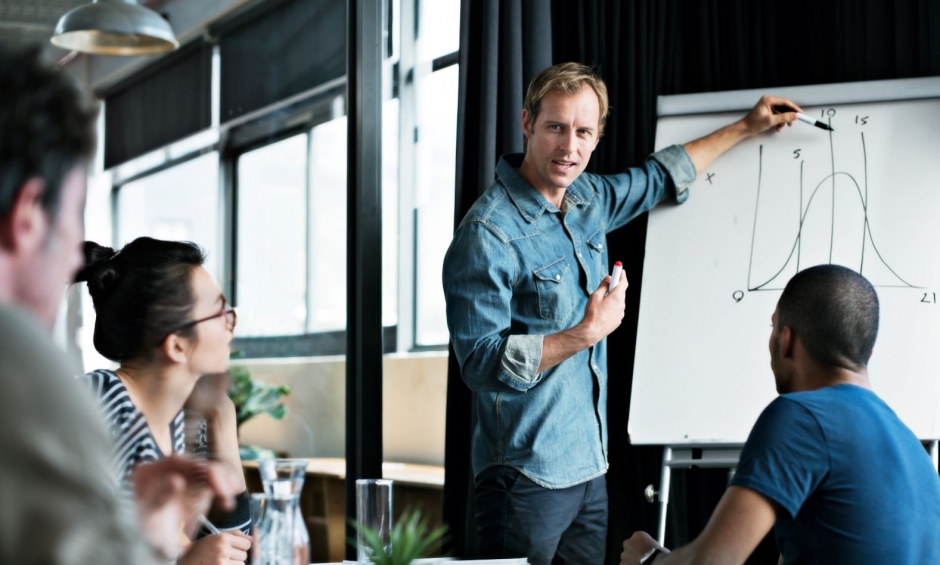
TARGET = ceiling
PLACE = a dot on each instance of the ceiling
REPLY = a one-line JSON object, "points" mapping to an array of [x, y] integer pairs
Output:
{"points": [[24, 22]]}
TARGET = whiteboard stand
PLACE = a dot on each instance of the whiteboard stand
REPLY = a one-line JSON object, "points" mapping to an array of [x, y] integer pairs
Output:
{"points": [[713, 457], [684, 457]]}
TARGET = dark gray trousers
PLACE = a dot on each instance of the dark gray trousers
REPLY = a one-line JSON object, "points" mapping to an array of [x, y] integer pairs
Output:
{"points": [[518, 518]]}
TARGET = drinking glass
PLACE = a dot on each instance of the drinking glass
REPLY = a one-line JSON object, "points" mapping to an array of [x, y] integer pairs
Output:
{"points": [[374, 511]]}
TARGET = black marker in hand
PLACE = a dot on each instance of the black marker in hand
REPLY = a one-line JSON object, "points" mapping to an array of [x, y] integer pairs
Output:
{"points": [[783, 109]]}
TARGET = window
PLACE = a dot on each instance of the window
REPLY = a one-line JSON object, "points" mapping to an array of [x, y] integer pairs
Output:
{"points": [[265, 195], [390, 196], [436, 155], [262, 186], [435, 103], [327, 252], [438, 29], [291, 229], [178, 203], [271, 274]]}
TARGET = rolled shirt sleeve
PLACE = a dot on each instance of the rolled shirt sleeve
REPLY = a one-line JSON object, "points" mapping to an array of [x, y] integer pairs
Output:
{"points": [[479, 273], [679, 167], [520, 361]]}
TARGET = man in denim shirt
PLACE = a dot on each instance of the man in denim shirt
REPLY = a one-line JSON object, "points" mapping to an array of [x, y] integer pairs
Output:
{"points": [[528, 310]]}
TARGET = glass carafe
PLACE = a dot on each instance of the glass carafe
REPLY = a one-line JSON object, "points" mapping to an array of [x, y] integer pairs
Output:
{"points": [[289, 541]]}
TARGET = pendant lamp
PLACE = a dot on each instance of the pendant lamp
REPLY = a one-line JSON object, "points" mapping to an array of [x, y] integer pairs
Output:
{"points": [[114, 27]]}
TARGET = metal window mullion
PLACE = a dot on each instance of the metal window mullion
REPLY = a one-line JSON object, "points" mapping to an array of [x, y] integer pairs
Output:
{"points": [[308, 247], [223, 186], [364, 250], [228, 165], [225, 226], [115, 217], [407, 155], [215, 87]]}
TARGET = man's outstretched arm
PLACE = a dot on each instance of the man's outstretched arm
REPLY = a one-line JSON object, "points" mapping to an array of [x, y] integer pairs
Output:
{"points": [[741, 520], [761, 118]]}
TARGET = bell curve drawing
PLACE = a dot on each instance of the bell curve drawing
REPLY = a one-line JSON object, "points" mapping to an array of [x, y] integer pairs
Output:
{"points": [[813, 220]]}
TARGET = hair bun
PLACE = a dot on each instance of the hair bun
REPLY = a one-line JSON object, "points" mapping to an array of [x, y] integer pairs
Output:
{"points": [[99, 269]]}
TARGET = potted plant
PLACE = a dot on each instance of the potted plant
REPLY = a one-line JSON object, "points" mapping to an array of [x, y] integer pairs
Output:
{"points": [[252, 398], [409, 540]]}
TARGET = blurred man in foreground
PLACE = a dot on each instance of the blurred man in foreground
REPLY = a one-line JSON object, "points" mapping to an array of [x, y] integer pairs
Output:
{"points": [[58, 500]]}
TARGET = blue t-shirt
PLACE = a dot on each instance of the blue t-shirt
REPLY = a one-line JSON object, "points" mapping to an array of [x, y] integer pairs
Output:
{"points": [[855, 484]]}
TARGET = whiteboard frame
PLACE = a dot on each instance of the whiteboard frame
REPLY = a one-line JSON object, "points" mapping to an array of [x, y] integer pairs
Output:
{"points": [[731, 101], [814, 95]]}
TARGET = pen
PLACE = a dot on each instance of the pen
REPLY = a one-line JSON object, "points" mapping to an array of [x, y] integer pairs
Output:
{"points": [[615, 275], [783, 108]]}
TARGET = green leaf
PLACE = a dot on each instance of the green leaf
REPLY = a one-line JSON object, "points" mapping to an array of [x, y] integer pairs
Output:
{"points": [[277, 412], [409, 540], [255, 397]]}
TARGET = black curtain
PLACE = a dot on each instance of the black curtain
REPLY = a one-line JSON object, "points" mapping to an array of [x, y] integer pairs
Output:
{"points": [[643, 49], [646, 48], [503, 44], [278, 49], [161, 104]]}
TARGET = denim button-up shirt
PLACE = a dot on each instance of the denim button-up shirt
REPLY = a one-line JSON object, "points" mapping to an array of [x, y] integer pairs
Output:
{"points": [[519, 269]]}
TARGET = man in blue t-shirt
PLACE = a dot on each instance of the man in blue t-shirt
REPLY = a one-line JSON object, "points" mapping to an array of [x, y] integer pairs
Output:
{"points": [[828, 464]]}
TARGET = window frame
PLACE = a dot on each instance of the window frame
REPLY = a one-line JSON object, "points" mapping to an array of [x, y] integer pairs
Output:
{"points": [[405, 89], [286, 118], [309, 344], [118, 183], [437, 64]]}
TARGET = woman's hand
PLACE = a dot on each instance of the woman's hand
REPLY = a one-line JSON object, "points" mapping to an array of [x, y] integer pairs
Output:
{"points": [[174, 490], [209, 398], [218, 549], [210, 401]]}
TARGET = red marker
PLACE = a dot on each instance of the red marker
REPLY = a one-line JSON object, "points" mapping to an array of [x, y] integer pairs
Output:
{"points": [[615, 275]]}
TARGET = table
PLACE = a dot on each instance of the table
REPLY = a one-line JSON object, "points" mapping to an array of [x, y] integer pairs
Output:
{"points": [[434, 560], [323, 499]]}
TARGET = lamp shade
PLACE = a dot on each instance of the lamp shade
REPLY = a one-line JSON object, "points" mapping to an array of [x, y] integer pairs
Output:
{"points": [[114, 27]]}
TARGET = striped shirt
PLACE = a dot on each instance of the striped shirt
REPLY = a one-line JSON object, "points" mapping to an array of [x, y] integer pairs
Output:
{"points": [[133, 443]]}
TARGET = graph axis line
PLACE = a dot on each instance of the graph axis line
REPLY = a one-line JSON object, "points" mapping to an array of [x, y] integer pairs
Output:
{"points": [[797, 243]]}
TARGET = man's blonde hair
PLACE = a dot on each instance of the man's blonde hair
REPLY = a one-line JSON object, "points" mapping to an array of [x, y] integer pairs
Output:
{"points": [[568, 78]]}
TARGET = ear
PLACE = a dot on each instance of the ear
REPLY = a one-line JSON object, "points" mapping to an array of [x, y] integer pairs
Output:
{"points": [[176, 349], [787, 342], [525, 124], [25, 229]]}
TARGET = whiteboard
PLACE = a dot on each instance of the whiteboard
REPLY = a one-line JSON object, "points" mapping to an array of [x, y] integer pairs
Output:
{"points": [[866, 196]]}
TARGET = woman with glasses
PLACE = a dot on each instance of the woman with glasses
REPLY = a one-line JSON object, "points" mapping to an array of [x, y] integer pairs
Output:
{"points": [[163, 319]]}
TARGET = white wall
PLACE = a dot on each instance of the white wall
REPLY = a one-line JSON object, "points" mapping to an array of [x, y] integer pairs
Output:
{"points": [[414, 397]]}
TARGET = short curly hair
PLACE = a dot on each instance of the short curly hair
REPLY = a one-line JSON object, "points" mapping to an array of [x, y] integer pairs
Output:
{"points": [[46, 127], [834, 310]]}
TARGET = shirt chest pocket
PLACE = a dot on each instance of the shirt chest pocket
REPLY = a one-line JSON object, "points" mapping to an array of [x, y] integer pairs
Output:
{"points": [[595, 247], [556, 287], [596, 242]]}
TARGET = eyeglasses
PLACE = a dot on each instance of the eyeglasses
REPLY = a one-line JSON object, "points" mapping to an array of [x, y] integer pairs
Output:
{"points": [[231, 319]]}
